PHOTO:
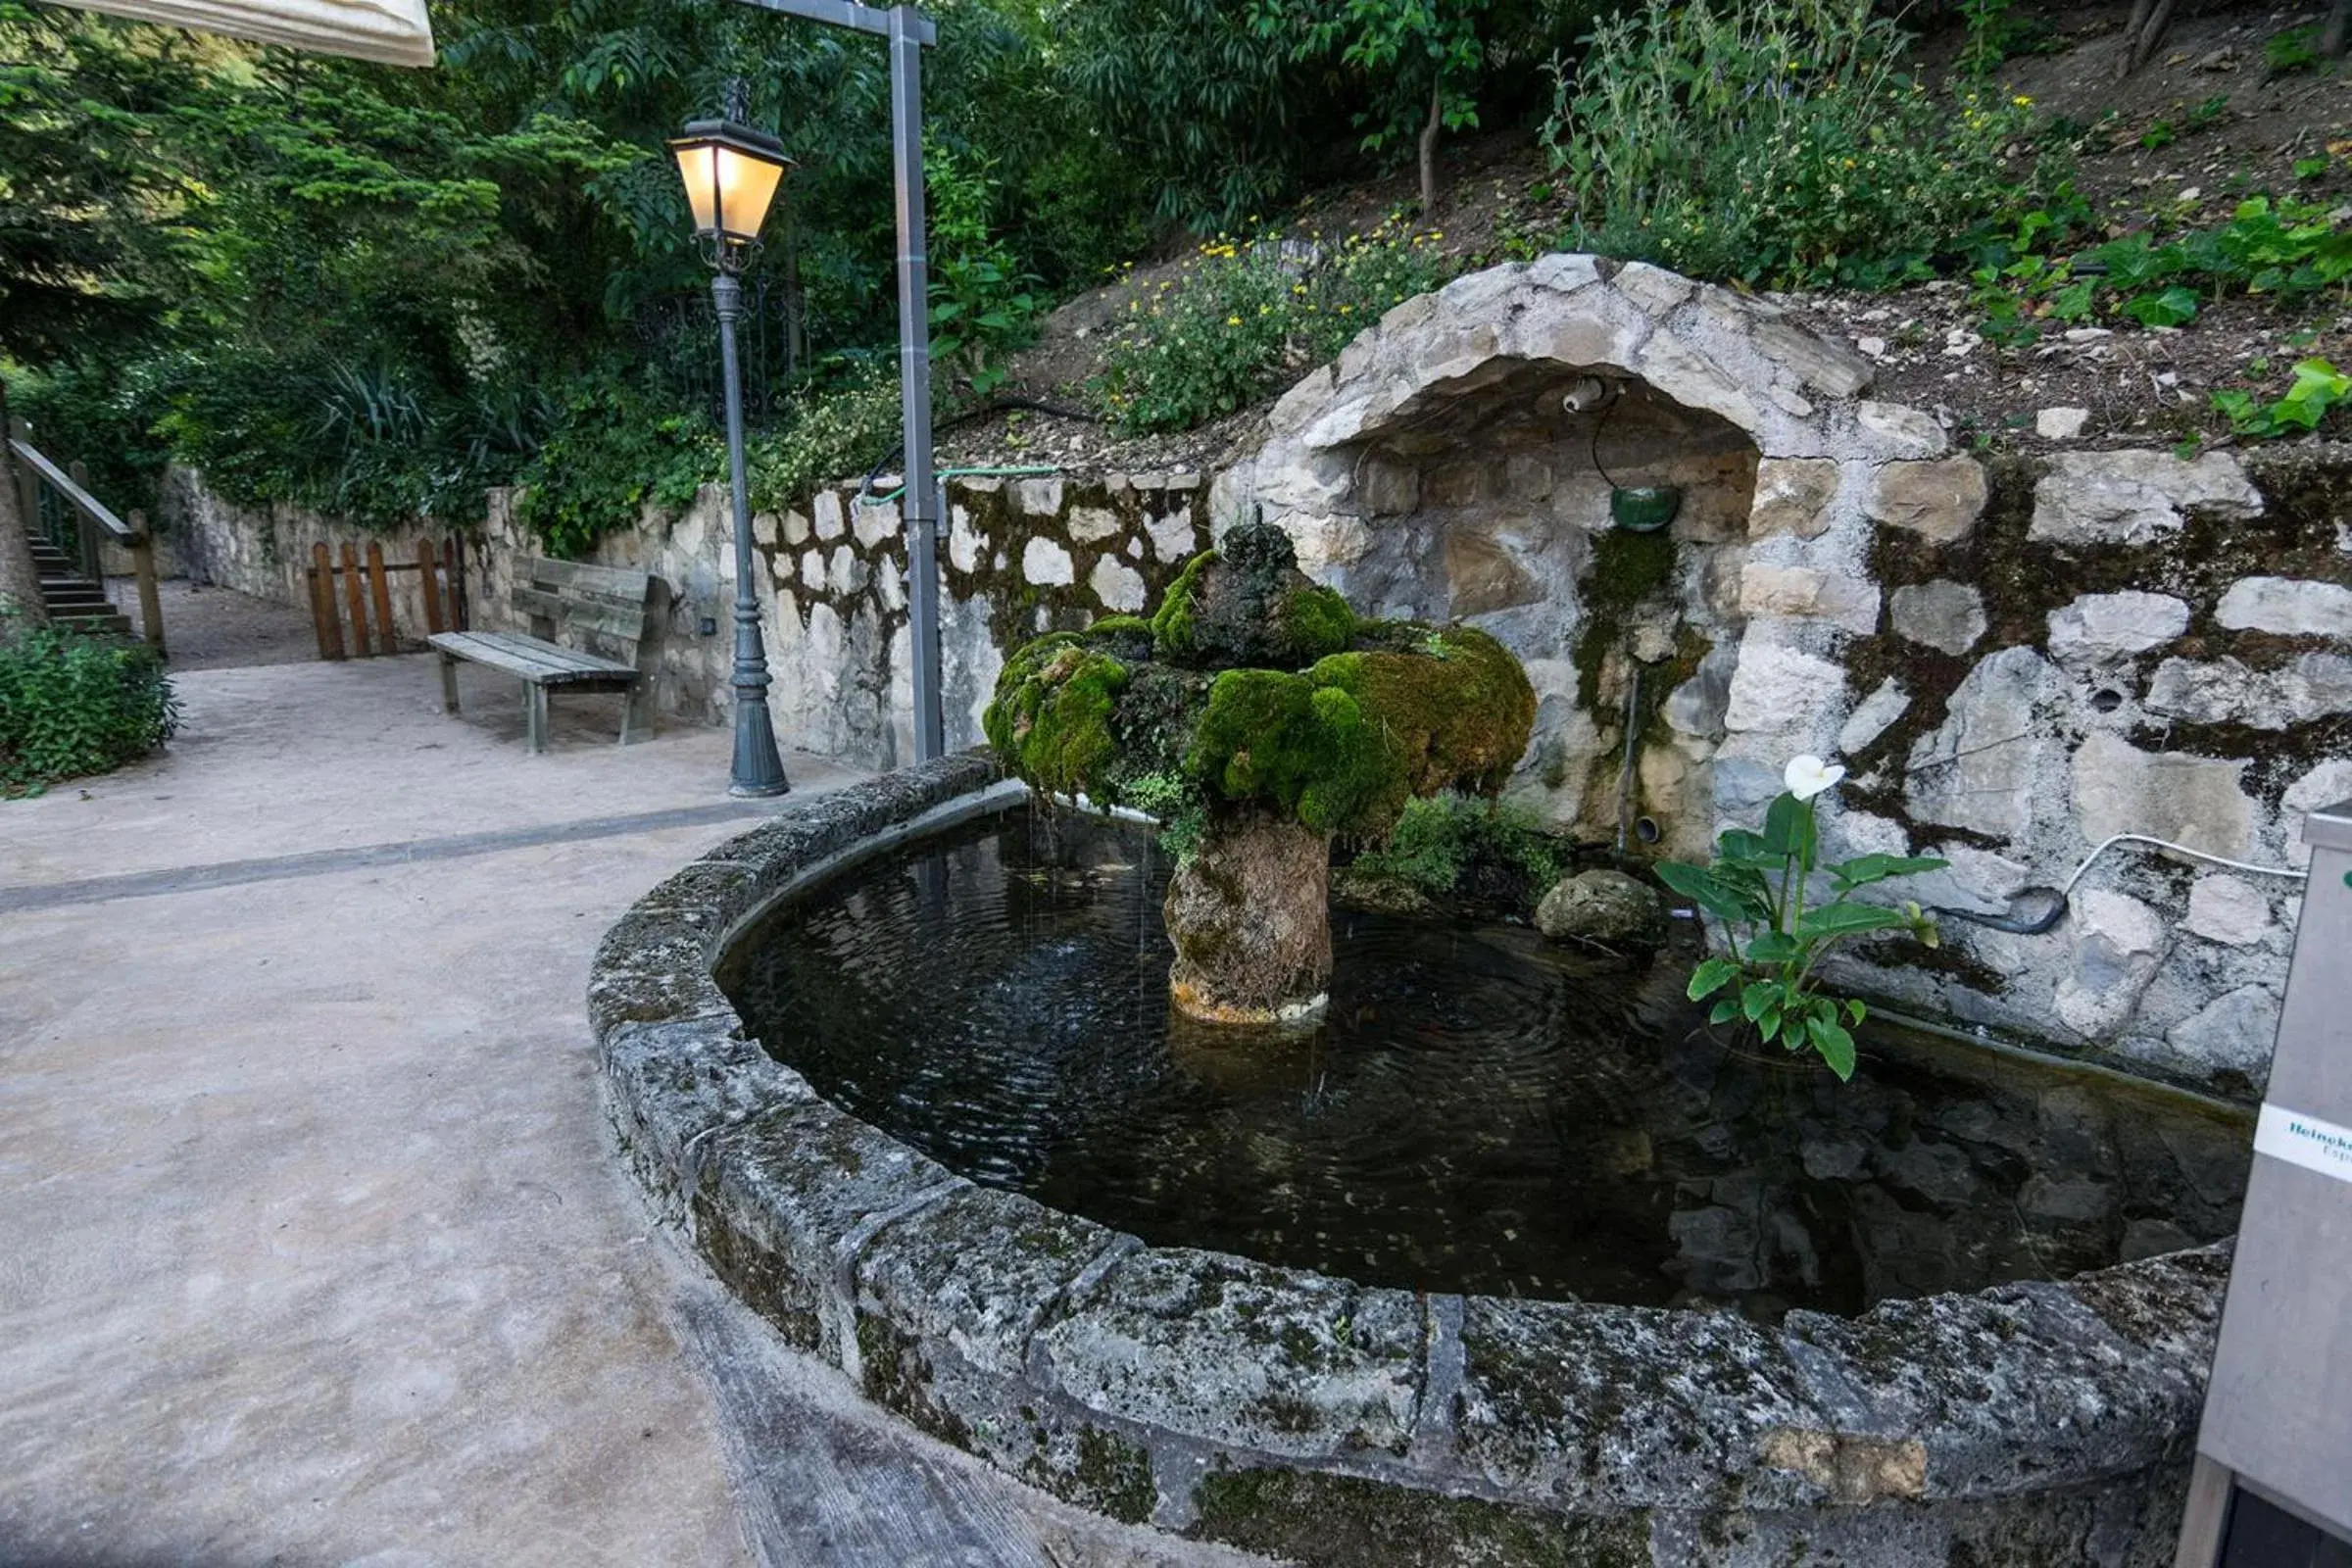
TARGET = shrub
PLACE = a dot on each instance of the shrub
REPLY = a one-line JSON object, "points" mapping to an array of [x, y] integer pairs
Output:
{"points": [[831, 435], [1446, 844], [1242, 318], [1781, 143], [73, 705]]}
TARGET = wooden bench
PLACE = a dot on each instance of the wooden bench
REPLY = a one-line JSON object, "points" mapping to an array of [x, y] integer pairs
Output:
{"points": [[603, 610]]}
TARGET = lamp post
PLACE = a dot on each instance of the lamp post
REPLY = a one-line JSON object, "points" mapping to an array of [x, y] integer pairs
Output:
{"points": [[731, 173], [907, 32]]}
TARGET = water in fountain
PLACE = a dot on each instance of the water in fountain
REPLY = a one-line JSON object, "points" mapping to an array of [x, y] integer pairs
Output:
{"points": [[1476, 1111]]}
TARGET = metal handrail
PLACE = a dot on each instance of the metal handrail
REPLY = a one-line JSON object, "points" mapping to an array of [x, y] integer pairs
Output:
{"points": [[88, 505]]}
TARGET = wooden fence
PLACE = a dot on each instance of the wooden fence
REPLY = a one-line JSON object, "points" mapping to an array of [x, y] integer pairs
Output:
{"points": [[440, 572]]}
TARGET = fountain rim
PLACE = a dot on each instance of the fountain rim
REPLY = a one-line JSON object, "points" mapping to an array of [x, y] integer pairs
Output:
{"points": [[1147, 1383]]}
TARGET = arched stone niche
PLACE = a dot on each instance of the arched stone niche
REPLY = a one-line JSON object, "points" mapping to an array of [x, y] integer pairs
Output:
{"points": [[1438, 469]]}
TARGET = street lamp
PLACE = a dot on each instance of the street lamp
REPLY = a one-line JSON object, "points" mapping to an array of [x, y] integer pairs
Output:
{"points": [[731, 173]]}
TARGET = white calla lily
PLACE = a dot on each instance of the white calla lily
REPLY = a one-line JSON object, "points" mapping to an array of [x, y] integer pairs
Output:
{"points": [[1807, 776]]}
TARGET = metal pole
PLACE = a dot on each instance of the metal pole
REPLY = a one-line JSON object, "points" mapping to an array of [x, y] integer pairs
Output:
{"points": [[757, 770], [922, 498]]}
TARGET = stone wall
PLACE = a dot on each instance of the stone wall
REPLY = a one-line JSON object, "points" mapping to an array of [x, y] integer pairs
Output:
{"points": [[1021, 556], [2016, 661]]}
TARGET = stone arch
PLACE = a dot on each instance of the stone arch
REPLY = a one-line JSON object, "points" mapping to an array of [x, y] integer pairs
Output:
{"points": [[1434, 470]]}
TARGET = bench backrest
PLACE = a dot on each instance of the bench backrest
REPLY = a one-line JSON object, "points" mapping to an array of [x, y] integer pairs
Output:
{"points": [[598, 610]]}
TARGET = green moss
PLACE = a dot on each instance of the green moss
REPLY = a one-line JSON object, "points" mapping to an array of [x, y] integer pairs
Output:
{"points": [[1456, 716], [1329, 1521], [1115, 1476], [1172, 628], [1317, 621], [1050, 720], [1627, 567], [1285, 741]]}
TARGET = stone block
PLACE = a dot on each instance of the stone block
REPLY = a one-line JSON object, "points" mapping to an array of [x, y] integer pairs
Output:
{"points": [[874, 522], [795, 528], [1219, 1348], [1119, 586], [1697, 707], [765, 527], [1676, 369], [2135, 497], [1482, 576], [1325, 541], [1653, 288], [2229, 911], [1560, 272], [845, 572], [963, 540], [1038, 498], [813, 570], [1173, 537], [2117, 943], [1793, 497], [1900, 431], [2060, 424], [1811, 357], [1947, 616], [2224, 691], [1940, 501], [826, 506], [1851, 602], [2288, 607], [1981, 768], [2104, 628], [1780, 690], [2197, 801], [2324, 785], [1569, 336], [1458, 484], [1093, 524], [2232, 1033], [1578, 1404], [1046, 563], [1886, 704]]}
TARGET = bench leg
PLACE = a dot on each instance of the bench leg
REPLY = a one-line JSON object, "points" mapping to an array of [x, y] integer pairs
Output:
{"points": [[449, 684], [535, 716], [637, 714]]}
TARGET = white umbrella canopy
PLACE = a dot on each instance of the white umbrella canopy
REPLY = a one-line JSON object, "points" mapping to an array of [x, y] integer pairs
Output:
{"points": [[396, 32]]}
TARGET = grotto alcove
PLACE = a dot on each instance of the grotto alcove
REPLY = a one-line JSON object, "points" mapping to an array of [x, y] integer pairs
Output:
{"points": [[1459, 463], [1489, 500]]}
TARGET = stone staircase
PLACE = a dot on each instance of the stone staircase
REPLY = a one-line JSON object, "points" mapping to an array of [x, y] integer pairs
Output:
{"points": [[73, 601]]}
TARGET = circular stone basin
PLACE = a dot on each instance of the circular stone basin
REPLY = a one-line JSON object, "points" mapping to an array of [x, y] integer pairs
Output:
{"points": [[1477, 1110], [1198, 1331]]}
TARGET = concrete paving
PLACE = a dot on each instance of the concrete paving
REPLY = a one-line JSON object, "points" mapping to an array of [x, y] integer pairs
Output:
{"points": [[313, 1246]]}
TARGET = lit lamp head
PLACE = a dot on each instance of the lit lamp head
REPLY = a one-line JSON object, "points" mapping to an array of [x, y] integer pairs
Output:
{"points": [[731, 173]]}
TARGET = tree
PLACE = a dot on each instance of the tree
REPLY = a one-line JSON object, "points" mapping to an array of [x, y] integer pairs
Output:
{"points": [[1416, 53], [19, 579]]}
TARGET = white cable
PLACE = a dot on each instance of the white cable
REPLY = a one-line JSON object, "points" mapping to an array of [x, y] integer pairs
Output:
{"points": [[2178, 848]]}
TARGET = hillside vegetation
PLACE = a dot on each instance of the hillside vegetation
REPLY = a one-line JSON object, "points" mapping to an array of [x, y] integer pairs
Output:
{"points": [[374, 292]]}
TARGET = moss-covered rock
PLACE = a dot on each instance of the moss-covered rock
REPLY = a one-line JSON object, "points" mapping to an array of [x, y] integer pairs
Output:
{"points": [[1051, 716], [1254, 692]]}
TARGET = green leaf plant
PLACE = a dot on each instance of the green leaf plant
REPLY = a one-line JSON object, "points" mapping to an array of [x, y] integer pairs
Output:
{"points": [[1757, 887]]}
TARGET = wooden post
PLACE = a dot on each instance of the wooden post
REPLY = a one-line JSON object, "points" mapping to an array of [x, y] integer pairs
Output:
{"points": [[453, 563], [380, 592], [323, 604], [151, 599], [354, 595], [85, 531], [430, 581]]}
